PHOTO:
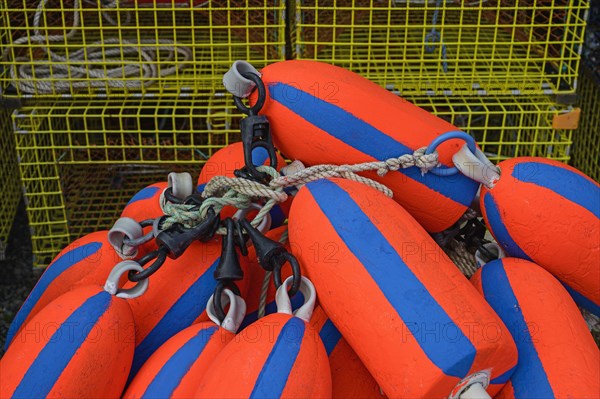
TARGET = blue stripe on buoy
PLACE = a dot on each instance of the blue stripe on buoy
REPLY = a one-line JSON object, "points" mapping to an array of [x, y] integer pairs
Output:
{"points": [[274, 375], [172, 372], [277, 216], [271, 307], [563, 182], [61, 347], [583, 301], [365, 138], [259, 156], [504, 378], [330, 336], [529, 379], [499, 229], [143, 194], [388, 270], [201, 187], [181, 315], [55, 269]]}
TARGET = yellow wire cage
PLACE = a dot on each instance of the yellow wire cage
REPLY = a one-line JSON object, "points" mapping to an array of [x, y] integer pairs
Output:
{"points": [[10, 189], [586, 140], [118, 47], [447, 46], [81, 161]]}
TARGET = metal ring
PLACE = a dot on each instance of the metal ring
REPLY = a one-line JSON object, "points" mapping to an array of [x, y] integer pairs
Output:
{"points": [[262, 95], [291, 259], [112, 282], [455, 134], [160, 255]]}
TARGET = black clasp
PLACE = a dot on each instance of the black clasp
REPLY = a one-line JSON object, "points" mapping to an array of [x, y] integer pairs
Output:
{"points": [[272, 256], [229, 268]]}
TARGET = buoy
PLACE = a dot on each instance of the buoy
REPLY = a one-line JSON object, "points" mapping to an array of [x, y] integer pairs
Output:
{"points": [[413, 319], [176, 298], [79, 346], [256, 276], [175, 369], [323, 114], [549, 213], [85, 261], [557, 354], [231, 157], [349, 376], [278, 356]]}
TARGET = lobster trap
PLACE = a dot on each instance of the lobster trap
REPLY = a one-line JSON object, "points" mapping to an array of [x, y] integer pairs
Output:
{"points": [[82, 161], [438, 47], [586, 154], [10, 190], [118, 47]]}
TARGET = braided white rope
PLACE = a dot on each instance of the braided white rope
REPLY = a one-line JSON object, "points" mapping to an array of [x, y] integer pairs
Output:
{"points": [[47, 76]]}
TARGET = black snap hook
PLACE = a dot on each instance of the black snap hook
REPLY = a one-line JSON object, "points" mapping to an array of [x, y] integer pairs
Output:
{"points": [[217, 303], [297, 276], [229, 268], [262, 95]]}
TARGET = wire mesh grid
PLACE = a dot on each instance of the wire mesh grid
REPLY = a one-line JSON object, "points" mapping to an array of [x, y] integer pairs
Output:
{"points": [[586, 141], [93, 47], [10, 189], [81, 161], [447, 46]]}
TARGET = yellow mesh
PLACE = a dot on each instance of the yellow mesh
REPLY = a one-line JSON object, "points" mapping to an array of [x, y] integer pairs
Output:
{"points": [[444, 46], [81, 161], [96, 47], [10, 187], [586, 140]]}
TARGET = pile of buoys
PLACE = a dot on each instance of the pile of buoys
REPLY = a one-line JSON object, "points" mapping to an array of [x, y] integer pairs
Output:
{"points": [[326, 277]]}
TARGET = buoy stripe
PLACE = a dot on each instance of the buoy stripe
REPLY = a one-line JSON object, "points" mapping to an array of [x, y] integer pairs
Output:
{"points": [[271, 307], [330, 336], [274, 374], [505, 377], [259, 156], [181, 315], [386, 267], [55, 356], [172, 372], [498, 291], [583, 301], [501, 233], [559, 180], [143, 194], [346, 127], [57, 267]]}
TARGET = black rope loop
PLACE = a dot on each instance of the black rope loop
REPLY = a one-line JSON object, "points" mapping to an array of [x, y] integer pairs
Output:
{"points": [[262, 95]]}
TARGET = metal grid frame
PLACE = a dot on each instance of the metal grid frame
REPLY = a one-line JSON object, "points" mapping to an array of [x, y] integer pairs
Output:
{"points": [[119, 47], [586, 146], [10, 189], [81, 161], [438, 47]]}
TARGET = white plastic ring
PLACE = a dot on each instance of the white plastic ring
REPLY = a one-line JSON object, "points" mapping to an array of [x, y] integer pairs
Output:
{"points": [[112, 282], [235, 315], [284, 304]]}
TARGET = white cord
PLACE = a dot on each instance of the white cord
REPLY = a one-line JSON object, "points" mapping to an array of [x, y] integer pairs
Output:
{"points": [[46, 77]]}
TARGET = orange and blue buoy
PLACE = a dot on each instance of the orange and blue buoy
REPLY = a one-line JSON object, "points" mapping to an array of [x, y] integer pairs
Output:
{"points": [[79, 346], [145, 204], [549, 213], [349, 376], [176, 298], [323, 114], [371, 264], [558, 357], [87, 260]]}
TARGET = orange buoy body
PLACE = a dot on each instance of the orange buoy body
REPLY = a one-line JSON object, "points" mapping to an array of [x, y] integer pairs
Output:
{"points": [[420, 333], [549, 213], [277, 356], [323, 114], [173, 371], [79, 346], [349, 376], [225, 161], [256, 276], [557, 354], [176, 297], [145, 204], [87, 260]]}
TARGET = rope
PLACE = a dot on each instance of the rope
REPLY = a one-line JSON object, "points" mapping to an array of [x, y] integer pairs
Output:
{"points": [[221, 191], [44, 76], [264, 289], [434, 37]]}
